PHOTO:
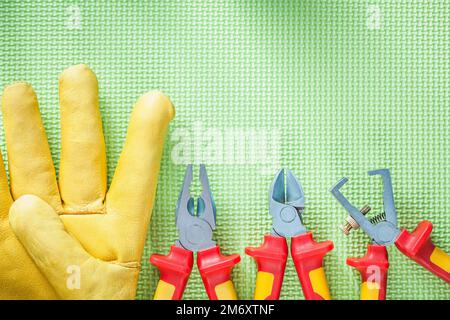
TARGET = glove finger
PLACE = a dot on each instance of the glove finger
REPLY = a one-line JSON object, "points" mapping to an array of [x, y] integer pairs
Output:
{"points": [[5, 195], [72, 272], [82, 173], [133, 187], [31, 167]]}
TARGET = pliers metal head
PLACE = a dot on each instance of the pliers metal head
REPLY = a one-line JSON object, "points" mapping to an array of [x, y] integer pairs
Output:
{"points": [[286, 205], [195, 228], [384, 232]]}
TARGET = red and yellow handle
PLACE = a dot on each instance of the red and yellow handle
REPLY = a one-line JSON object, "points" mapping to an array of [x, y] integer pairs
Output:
{"points": [[418, 246], [271, 259], [373, 268], [215, 270], [174, 269], [308, 259]]}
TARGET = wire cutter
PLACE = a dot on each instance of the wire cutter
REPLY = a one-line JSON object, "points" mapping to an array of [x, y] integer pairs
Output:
{"points": [[195, 235], [384, 232], [286, 205]]}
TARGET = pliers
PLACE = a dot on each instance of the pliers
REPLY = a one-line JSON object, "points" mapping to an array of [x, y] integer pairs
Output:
{"points": [[384, 232], [195, 235], [286, 205]]}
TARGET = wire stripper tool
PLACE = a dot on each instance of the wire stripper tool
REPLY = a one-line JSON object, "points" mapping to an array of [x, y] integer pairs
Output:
{"points": [[195, 235], [286, 203], [383, 231]]}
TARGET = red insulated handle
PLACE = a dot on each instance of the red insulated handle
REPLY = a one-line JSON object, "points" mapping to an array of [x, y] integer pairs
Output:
{"points": [[308, 259], [418, 246], [174, 269], [271, 259], [373, 268], [215, 270]]}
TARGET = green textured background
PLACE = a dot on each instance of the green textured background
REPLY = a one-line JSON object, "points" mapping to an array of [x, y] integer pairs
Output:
{"points": [[323, 92]]}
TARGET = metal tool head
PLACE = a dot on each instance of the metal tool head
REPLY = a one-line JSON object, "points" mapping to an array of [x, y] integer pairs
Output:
{"points": [[286, 205], [384, 232], [195, 228]]}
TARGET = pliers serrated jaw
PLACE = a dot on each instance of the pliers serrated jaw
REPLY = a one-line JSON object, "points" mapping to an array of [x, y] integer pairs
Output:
{"points": [[195, 229]]}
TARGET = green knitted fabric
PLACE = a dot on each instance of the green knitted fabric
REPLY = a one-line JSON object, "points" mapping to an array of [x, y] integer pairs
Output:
{"points": [[325, 88]]}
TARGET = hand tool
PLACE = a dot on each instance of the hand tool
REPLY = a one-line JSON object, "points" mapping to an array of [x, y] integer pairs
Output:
{"points": [[195, 235], [286, 205], [384, 232]]}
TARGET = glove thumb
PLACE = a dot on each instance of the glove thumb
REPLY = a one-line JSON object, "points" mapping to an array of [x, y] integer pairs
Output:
{"points": [[72, 272]]}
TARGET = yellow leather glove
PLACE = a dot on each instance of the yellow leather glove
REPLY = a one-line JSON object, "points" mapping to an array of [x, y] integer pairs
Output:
{"points": [[87, 243], [19, 277]]}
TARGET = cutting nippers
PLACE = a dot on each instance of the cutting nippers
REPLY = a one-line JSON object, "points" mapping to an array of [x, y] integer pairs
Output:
{"points": [[195, 232], [416, 245], [286, 205]]}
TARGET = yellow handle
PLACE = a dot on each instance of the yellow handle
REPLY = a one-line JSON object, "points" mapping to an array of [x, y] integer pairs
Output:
{"points": [[164, 291], [225, 291], [370, 291], [319, 283], [264, 285], [441, 259]]}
